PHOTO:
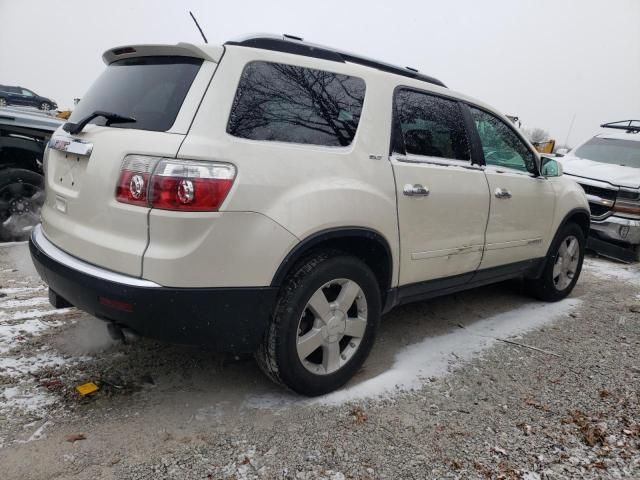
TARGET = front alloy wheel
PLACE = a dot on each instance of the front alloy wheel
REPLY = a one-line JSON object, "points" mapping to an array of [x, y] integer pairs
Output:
{"points": [[566, 264], [562, 266]]}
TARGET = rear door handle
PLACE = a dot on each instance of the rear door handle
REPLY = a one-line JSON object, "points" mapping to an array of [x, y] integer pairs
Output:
{"points": [[502, 193], [416, 190]]}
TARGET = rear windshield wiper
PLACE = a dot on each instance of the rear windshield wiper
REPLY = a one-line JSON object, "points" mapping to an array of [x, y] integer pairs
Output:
{"points": [[74, 128]]}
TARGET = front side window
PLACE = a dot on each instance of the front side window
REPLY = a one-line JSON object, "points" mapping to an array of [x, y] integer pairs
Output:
{"points": [[431, 126], [27, 93], [288, 103], [500, 144]]}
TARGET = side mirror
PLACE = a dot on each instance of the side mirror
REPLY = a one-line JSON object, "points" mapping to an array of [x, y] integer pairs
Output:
{"points": [[550, 167]]}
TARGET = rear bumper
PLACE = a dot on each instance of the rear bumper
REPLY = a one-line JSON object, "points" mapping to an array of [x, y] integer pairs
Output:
{"points": [[225, 319]]}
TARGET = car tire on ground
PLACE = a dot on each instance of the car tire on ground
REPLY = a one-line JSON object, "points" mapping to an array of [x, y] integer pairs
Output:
{"points": [[563, 265], [46, 106], [21, 198], [324, 324], [3, 102]]}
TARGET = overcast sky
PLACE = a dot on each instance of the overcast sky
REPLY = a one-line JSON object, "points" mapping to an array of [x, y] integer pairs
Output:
{"points": [[543, 60]]}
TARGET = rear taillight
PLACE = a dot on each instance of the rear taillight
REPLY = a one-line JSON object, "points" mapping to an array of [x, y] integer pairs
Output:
{"points": [[133, 184], [166, 184]]}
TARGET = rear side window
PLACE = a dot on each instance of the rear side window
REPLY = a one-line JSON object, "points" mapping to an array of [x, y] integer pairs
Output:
{"points": [[288, 103], [149, 89], [431, 126]]}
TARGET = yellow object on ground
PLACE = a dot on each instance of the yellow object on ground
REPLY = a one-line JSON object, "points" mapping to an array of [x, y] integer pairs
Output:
{"points": [[87, 388]]}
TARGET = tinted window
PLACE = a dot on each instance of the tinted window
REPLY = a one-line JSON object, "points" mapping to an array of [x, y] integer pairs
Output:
{"points": [[431, 126], [287, 103], [500, 144], [611, 150], [149, 89]]}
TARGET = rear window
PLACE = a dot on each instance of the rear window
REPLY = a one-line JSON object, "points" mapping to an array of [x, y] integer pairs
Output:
{"points": [[611, 150], [288, 103], [149, 89]]}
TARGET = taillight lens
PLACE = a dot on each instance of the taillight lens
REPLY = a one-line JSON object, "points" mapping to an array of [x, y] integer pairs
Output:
{"points": [[133, 184], [170, 184], [191, 186]]}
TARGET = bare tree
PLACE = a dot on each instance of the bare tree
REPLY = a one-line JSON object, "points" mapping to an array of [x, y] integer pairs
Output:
{"points": [[537, 135]]}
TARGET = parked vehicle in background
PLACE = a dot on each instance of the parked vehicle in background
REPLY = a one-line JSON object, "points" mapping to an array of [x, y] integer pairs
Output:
{"points": [[275, 196], [23, 138], [607, 167], [20, 96]]}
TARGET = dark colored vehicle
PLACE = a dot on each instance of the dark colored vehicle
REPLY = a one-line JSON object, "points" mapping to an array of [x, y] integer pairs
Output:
{"points": [[24, 97], [23, 138]]}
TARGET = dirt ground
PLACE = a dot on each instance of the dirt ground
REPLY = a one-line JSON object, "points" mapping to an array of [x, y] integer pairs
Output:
{"points": [[482, 384]]}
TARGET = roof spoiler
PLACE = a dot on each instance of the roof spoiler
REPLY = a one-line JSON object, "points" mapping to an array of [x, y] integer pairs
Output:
{"points": [[212, 53], [630, 126]]}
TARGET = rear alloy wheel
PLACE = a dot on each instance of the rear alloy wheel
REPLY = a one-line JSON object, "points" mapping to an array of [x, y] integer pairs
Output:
{"points": [[21, 198], [324, 324], [563, 265], [332, 326], [3, 102]]}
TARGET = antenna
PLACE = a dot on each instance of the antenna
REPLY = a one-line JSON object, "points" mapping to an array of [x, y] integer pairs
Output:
{"points": [[198, 25]]}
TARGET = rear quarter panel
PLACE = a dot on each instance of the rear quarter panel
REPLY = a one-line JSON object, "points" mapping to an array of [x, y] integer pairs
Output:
{"points": [[302, 188]]}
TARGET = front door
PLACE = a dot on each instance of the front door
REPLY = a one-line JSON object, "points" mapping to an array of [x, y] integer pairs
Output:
{"points": [[522, 202], [443, 199]]}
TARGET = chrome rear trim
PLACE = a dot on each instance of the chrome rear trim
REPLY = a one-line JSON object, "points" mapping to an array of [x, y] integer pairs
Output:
{"points": [[62, 257]]}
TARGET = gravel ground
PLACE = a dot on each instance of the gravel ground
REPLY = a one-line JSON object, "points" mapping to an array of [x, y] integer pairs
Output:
{"points": [[444, 395]]}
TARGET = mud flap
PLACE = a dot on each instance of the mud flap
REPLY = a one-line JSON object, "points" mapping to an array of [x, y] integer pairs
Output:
{"points": [[57, 301]]}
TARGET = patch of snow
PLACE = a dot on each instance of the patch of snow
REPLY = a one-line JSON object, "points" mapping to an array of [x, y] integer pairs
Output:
{"points": [[9, 334], [14, 290], [26, 399], [608, 269], [433, 356], [20, 315], [38, 434], [27, 302], [27, 364]]}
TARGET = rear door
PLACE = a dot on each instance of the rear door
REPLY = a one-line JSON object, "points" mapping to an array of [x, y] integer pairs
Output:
{"points": [[81, 214], [522, 202], [443, 199]]}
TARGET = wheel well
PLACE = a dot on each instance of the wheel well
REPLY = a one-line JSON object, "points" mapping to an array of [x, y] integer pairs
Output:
{"points": [[364, 244], [582, 219]]}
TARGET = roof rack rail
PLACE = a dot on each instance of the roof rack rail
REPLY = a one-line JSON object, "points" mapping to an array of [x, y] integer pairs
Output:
{"points": [[627, 125], [296, 46]]}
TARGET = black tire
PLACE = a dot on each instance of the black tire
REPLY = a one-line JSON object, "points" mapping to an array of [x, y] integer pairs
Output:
{"points": [[545, 288], [46, 106], [278, 355], [21, 197], [3, 102]]}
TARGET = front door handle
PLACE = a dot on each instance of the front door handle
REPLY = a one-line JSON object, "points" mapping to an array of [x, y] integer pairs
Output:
{"points": [[416, 190], [502, 193]]}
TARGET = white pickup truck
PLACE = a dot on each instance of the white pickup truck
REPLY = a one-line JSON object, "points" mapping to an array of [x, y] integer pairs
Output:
{"points": [[607, 166]]}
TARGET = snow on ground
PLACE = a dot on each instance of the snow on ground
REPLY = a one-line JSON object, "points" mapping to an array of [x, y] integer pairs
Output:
{"points": [[433, 356], [609, 269]]}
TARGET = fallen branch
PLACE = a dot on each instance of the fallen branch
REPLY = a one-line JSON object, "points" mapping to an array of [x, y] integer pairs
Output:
{"points": [[523, 345]]}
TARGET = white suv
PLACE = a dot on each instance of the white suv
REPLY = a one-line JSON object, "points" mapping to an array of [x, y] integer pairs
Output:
{"points": [[276, 197]]}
